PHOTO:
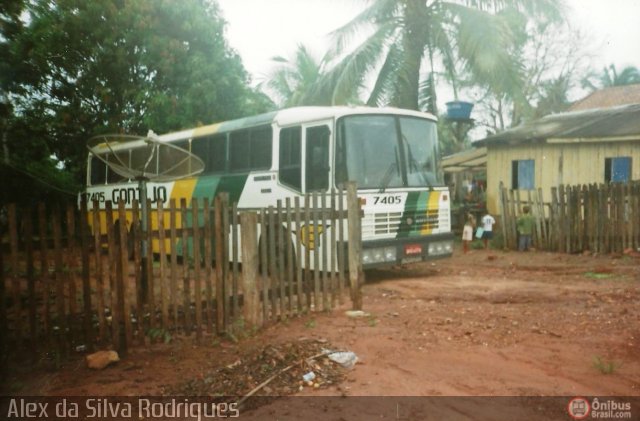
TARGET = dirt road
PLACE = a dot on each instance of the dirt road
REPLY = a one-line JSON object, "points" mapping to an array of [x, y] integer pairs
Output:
{"points": [[485, 323]]}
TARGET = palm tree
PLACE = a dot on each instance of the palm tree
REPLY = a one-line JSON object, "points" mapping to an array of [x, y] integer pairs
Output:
{"points": [[628, 76], [409, 35], [291, 80]]}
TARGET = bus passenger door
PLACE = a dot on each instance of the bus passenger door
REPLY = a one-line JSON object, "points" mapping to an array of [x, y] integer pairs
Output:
{"points": [[317, 157]]}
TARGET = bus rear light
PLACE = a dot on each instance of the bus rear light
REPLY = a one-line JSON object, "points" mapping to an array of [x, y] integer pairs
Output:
{"points": [[362, 201]]}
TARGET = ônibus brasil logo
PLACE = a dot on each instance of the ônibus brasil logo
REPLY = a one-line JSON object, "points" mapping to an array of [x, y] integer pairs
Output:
{"points": [[579, 408]]}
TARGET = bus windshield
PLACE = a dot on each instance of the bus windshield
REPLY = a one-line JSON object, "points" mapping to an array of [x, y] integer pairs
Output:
{"points": [[382, 151]]}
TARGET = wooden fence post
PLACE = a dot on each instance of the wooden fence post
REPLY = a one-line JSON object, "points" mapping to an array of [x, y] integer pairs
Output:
{"points": [[85, 240], [355, 246], [250, 263], [219, 256]]}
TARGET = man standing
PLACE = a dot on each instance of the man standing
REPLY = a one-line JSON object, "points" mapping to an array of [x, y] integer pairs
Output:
{"points": [[525, 224]]}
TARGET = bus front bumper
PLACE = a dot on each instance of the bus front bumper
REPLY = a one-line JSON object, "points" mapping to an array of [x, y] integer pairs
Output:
{"points": [[380, 253]]}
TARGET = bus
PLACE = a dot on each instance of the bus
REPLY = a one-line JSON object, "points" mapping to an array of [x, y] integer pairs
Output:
{"points": [[391, 154]]}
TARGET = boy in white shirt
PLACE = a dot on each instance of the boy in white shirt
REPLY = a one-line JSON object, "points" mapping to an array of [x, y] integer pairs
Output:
{"points": [[487, 225]]}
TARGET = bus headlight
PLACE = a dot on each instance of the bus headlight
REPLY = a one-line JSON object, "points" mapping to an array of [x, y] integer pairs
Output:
{"points": [[379, 255], [440, 248]]}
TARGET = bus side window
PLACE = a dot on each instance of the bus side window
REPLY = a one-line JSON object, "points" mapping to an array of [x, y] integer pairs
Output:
{"points": [[200, 148], [290, 171], [218, 153], [261, 140], [98, 171], [317, 160]]}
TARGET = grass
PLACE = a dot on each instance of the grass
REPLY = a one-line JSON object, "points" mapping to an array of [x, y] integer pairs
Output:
{"points": [[605, 366], [596, 275], [310, 324]]}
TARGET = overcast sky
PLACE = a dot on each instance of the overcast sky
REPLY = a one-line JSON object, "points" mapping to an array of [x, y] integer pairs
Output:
{"points": [[262, 29]]}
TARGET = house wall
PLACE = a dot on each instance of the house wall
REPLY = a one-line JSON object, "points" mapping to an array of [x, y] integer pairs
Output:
{"points": [[555, 164]]}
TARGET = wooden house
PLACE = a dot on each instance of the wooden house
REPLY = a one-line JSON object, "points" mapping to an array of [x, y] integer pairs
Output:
{"points": [[596, 141]]}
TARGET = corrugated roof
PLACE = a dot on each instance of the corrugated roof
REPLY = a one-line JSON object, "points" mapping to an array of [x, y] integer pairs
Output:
{"points": [[615, 122], [609, 97], [469, 160]]}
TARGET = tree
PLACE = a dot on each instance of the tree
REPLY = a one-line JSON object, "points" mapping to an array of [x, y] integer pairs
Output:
{"points": [[610, 77], [408, 36], [553, 61], [291, 80], [109, 66]]}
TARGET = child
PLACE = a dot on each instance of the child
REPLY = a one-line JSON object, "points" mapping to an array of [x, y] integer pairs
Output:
{"points": [[467, 232], [487, 227], [525, 229]]}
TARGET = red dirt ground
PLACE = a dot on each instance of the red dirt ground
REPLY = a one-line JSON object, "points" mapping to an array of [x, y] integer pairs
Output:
{"points": [[485, 323]]}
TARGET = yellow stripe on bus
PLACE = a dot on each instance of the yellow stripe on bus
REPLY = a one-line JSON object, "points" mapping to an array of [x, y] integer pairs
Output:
{"points": [[206, 130], [432, 203]]}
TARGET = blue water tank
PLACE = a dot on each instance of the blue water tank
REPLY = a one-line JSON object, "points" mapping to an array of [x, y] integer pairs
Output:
{"points": [[459, 110]]}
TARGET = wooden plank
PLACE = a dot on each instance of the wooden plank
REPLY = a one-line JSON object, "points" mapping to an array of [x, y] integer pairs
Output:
{"points": [[273, 275], [512, 219], [332, 250], [195, 209], [87, 325], [98, 270], [562, 218], [355, 244], [140, 290], [70, 262], [208, 270], [635, 215], [602, 219], [300, 298], [235, 246], [44, 270], [289, 256], [124, 308], [173, 235], [4, 329], [326, 300], [280, 256], [164, 288], [605, 218], [31, 282], [250, 262], [225, 262], [186, 284], [219, 252], [308, 287], [61, 321], [553, 220], [543, 218], [12, 215], [264, 272], [115, 318], [317, 297], [149, 288], [341, 246]]}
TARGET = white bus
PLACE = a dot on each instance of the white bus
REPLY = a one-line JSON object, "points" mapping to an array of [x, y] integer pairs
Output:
{"points": [[392, 155]]}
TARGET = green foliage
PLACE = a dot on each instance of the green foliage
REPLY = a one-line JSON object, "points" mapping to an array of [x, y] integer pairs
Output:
{"points": [[596, 275], [478, 38], [157, 334], [605, 366], [80, 68]]}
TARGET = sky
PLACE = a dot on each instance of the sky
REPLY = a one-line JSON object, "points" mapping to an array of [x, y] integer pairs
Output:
{"points": [[262, 29]]}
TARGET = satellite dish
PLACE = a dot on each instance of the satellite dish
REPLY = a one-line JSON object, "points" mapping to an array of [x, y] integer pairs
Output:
{"points": [[144, 158]]}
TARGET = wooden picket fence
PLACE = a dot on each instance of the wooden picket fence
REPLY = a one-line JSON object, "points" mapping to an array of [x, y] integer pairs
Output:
{"points": [[64, 288], [601, 218]]}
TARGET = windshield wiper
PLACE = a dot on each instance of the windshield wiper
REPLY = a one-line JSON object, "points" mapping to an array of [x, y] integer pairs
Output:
{"points": [[386, 178], [414, 164]]}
